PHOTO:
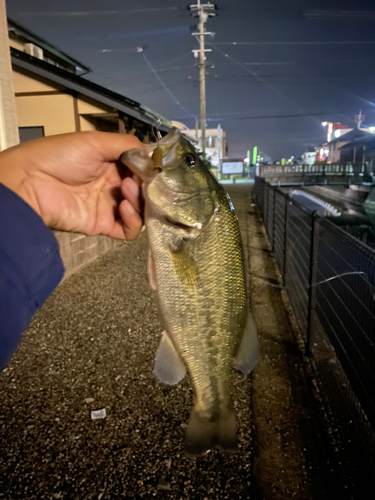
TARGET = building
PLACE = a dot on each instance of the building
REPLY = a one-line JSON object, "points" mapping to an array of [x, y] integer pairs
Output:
{"points": [[360, 152], [216, 147], [308, 158], [263, 158], [331, 151], [335, 130], [53, 97]]}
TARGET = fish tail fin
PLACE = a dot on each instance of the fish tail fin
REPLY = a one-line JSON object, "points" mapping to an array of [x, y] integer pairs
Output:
{"points": [[204, 434]]}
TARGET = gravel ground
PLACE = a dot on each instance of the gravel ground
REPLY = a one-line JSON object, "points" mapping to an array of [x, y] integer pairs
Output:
{"points": [[92, 347]]}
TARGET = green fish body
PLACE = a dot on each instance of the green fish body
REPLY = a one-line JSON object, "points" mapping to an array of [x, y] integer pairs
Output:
{"points": [[196, 266]]}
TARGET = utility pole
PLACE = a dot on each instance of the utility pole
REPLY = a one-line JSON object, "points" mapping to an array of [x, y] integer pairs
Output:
{"points": [[203, 12], [359, 119], [219, 148]]}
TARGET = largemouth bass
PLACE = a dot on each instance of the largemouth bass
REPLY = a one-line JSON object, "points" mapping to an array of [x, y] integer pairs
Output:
{"points": [[196, 265]]}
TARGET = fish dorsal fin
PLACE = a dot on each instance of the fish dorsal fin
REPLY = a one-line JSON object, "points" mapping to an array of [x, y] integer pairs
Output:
{"points": [[247, 355], [168, 366], [151, 271]]}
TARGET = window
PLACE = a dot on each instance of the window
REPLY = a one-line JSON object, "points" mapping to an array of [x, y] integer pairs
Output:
{"points": [[210, 142], [30, 133]]}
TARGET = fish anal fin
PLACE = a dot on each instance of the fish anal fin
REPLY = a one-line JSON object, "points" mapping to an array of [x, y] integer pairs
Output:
{"points": [[168, 367], [247, 355]]}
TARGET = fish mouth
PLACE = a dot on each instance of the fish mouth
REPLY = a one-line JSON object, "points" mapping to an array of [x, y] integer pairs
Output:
{"points": [[180, 225]]}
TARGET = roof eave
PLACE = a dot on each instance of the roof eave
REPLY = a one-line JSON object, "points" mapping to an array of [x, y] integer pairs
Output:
{"points": [[84, 87], [46, 45]]}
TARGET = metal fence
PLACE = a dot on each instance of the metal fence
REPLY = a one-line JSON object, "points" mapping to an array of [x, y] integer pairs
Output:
{"points": [[330, 279]]}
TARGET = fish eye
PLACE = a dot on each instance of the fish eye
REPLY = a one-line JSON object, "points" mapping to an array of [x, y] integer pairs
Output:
{"points": [[189, 160]]}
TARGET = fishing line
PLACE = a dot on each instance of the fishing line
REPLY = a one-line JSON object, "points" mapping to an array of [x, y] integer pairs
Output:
{"points": [[165, 86], [155, 130], [350, 273]]}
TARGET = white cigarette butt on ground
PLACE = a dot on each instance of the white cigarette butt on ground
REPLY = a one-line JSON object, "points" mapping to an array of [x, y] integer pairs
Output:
{"points": [[96, 414]]}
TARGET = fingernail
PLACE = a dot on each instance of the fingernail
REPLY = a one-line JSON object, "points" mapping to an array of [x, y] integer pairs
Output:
{"points": [[129, 207], [133, 188]]}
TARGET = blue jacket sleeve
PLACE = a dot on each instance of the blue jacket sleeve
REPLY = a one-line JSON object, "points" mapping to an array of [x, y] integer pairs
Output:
{"points": [[30, 268]]}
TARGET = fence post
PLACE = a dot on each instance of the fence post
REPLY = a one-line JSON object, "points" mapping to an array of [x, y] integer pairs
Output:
{"points": [[312, 277], [273, 220], [286, 216]]}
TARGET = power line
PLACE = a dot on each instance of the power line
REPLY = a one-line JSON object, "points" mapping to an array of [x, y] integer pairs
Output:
{"points": [[317, 42], [271, 87], [236, 116], [84, 13], [268, 117], [165, 86]]}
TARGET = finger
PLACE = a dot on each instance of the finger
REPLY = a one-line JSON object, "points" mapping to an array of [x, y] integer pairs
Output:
{"points": [[137, 180], [132, 221], [111, 146], [130, 190], [117, 231]]}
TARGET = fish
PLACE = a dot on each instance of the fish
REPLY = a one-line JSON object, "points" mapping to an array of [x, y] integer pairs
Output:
{"points": [[196, 266]]}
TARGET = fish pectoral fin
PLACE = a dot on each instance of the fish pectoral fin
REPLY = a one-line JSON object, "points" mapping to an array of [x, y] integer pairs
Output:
{"points": [[247, 355], [168, 366], [151, 271]]}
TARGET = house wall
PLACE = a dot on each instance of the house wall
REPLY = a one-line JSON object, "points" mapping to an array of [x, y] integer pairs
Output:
{"points": [[8, 116], [334, 152], [16, 44], [24, 82], [85, 107], [54, 112], [211, 152]]}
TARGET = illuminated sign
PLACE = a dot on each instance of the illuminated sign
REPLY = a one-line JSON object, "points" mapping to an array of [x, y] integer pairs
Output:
{"points": [[232, 167]]}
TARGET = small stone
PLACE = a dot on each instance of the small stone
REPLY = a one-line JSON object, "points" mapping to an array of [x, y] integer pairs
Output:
{"points": [[89, 400], [163, 485]]}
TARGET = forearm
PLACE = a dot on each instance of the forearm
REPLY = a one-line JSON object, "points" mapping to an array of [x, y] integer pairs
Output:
{"points": [[30, 268]]}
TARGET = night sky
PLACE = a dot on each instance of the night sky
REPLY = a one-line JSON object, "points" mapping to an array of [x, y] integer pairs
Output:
{"points": [[271, 60]]}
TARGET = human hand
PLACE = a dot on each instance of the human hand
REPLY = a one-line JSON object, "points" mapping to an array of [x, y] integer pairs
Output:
{"points": [[75, 182]]}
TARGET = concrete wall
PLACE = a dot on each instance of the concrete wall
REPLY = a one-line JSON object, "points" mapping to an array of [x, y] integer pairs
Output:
{"points": [[77, 249]]}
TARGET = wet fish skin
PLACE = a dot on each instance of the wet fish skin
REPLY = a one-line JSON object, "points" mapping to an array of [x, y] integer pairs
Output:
{"points": [[197, 268]]}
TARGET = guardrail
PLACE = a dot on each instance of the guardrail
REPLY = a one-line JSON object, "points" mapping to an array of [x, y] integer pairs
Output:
{"points": [[330, 278], [329, 169]]}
